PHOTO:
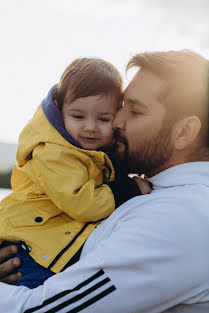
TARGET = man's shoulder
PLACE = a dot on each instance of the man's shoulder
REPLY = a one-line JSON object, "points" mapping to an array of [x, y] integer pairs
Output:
{"points": [[181, 207], [174, 196]]}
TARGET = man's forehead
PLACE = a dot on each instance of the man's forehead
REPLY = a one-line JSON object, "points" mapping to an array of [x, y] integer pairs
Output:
{"points": [[144, 83]]}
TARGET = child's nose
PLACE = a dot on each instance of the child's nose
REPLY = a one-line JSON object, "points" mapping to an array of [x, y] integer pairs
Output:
{"points": [[90, 125]]}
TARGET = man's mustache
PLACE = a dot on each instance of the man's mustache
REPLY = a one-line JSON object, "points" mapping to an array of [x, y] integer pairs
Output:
{"points": [[119, 137]]}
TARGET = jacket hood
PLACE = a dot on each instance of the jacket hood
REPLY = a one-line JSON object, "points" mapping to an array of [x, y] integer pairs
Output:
{"points": [[47, 125], [54, 116]]}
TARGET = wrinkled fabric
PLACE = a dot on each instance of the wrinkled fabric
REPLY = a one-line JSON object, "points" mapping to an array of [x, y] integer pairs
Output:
{"points": [[58, 195], [150, 256]]}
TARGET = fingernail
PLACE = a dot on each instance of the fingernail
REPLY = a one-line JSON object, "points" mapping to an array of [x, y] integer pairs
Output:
{"points": [[14, 249], [16, 262], [19, 274]]}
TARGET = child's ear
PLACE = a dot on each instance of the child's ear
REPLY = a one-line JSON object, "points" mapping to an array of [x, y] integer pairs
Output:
{"points": [[186, 132]]}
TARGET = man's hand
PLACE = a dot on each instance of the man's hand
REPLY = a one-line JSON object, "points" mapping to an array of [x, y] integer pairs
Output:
{"points": [[7, 265], [144, 184]]}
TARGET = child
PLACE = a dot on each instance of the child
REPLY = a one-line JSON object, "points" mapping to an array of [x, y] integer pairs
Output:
{"points": [[64, 182]]}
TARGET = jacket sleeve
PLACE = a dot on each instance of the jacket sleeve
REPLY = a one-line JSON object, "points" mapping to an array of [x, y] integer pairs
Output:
{"points": [[65, 179], [123, 190], [145, 263], [123, 187]]}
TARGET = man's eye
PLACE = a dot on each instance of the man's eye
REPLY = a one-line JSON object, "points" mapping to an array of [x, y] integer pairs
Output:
{"points": [[78, 117], [135, 113], [104, 119]]}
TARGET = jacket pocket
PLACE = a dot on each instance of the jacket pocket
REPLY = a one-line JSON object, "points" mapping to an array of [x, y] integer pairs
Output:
{"points": [[34, 217]]}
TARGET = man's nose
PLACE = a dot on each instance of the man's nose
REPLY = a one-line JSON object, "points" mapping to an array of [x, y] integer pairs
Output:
{"points": [[120, 119]]}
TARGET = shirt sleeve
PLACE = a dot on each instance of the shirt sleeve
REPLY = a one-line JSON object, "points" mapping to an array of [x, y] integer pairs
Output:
{"points": [[64, 176], [146, 264]]}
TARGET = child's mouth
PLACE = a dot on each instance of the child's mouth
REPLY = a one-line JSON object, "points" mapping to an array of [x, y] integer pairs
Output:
{"points": [[90, 139]]}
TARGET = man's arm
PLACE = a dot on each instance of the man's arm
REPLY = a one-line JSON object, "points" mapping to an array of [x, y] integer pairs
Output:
{"points": [[8, 264], [138, 260]]}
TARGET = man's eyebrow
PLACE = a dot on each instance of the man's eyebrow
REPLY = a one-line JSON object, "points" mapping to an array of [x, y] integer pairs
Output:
{"points": [[135, 101]]}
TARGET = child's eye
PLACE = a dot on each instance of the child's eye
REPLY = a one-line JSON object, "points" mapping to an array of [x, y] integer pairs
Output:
{"points": [[78, 117], [104, 119]]}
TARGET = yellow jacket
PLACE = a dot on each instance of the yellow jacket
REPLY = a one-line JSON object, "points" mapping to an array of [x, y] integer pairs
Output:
{"points": [[58, 195]]}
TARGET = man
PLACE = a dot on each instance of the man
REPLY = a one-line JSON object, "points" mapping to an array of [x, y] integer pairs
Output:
{"points": [[151, 255]]}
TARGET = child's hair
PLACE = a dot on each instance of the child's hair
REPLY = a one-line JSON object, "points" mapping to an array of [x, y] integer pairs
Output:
{"points": [[88, 77]]}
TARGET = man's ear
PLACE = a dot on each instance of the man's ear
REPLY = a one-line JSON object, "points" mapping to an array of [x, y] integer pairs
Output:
{"points": [[186, 132]]}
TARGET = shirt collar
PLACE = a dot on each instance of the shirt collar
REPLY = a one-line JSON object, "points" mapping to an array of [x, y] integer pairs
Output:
{"points": [[182, 174]]}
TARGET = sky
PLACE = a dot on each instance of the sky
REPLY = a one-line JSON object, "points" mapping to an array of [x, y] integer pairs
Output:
{"points": [[39, 38]]}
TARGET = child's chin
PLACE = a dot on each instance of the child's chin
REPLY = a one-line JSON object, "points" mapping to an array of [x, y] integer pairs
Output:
{"points": [[90, 147]]}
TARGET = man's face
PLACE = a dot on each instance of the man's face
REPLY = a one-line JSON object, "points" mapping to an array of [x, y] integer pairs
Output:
{"points": [[142, 134]]}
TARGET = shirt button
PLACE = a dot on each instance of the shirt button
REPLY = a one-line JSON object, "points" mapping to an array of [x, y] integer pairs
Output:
{"points": [[67, 233], [43, 257], [38, 219]]}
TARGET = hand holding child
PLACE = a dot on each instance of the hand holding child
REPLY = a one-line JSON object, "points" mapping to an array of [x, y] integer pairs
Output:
{"points": [[143, 184]]}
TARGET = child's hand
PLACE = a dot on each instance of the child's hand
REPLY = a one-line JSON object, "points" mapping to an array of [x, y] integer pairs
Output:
{"points": [[143, 184]]}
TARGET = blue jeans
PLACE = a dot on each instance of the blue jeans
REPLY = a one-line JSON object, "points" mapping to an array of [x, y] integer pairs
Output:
{"points": [[33, 273]]}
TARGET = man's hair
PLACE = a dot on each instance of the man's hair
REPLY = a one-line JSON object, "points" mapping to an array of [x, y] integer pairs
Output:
{"points": [[167, 61], [186, 76], [86, 77], [174, 66]]}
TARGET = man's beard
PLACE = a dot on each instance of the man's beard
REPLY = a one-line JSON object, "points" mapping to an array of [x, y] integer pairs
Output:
{"points": [[148, 156]]}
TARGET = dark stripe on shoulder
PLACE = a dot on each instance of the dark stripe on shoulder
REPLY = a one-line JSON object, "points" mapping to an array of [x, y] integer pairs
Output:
{"points": [[64, 293], [78, 297], [93, 300]]}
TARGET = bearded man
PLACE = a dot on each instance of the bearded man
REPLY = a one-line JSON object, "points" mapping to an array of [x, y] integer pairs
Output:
{"points": [[151, 255]]}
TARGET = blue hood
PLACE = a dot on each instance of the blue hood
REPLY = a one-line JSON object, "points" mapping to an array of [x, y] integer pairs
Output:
{"points": [[54, 116]]}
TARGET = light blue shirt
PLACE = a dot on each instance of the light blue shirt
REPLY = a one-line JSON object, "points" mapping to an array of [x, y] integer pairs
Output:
{"points": [[150, 256]]}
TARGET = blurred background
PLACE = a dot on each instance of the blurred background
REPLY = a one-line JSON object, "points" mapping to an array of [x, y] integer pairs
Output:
{"points": [[39, 38]]}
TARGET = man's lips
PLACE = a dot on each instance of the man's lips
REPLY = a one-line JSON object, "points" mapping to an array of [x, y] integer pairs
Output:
{"points": [[120, 139]]}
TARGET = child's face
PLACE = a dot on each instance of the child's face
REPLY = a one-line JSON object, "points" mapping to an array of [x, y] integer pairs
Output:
{"points": [[89, 120]]}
